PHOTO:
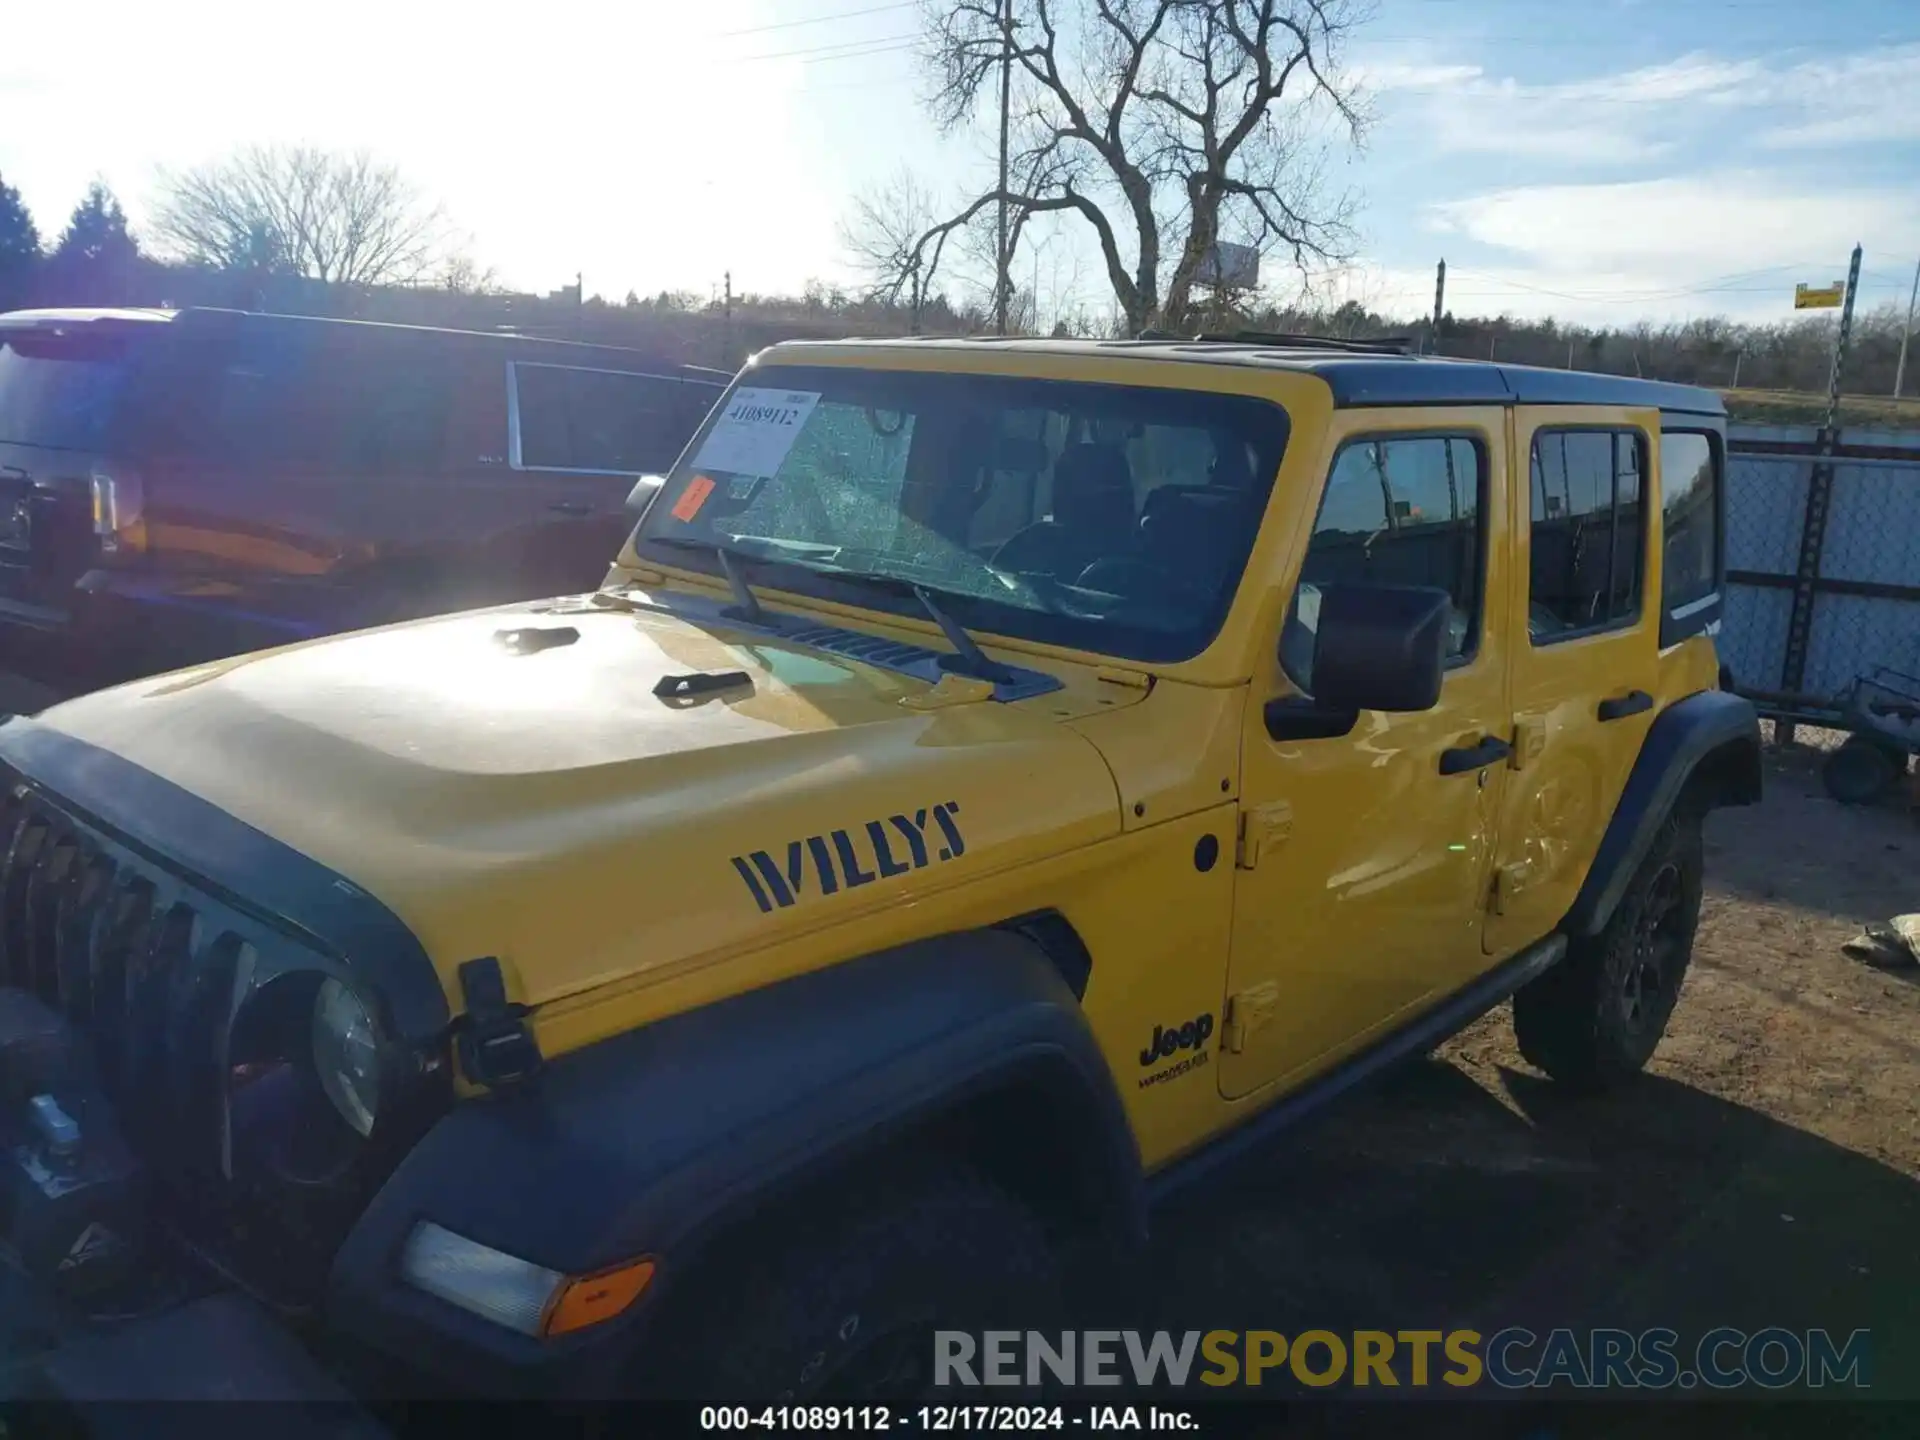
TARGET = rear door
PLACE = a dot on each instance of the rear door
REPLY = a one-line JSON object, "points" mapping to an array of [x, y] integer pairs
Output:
{"points": [[285, 452], [1585, 652], [60, 397]]}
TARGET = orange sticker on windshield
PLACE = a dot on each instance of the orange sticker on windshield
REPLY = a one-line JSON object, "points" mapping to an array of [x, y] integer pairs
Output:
{"points": [[692, 498]]}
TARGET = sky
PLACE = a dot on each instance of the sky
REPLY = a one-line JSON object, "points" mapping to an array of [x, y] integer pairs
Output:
{"points": [[1604, 162]]}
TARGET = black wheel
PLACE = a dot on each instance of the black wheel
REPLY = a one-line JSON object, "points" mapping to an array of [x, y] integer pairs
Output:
{"points": [[1862, 771], [839, 1298], [1595, 1018]]}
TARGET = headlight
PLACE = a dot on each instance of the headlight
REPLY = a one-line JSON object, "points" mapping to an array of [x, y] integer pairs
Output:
{"points": [[346, 1055]]}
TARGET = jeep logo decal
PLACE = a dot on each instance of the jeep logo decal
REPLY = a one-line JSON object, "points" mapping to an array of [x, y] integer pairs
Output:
{"points": [[1167, 1042], [847, 859]]}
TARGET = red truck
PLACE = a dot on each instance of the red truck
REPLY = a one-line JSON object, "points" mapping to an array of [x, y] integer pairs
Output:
{"points": [[181, 486]]}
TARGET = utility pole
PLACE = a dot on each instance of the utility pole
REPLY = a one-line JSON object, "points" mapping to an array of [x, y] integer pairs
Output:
{"points": [[1900, 370], [726, 322], [1002, 278], [1813, 527], [1439, 303], [1840, 342]]}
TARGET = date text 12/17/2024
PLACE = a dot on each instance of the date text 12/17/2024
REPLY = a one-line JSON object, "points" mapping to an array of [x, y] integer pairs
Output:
{"points": [[942, 1419]]}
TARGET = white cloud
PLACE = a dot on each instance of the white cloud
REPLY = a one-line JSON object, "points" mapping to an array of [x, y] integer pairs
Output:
{"points": [[1640, 114], [1729, 221], [1730, 242], [1852, 100]]}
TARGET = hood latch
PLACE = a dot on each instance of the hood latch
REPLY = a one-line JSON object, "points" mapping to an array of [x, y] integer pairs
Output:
{"points": [[495, 1044]]}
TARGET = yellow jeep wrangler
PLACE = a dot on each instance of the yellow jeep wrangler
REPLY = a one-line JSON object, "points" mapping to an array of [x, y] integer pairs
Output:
{"points": [[996, 782]]}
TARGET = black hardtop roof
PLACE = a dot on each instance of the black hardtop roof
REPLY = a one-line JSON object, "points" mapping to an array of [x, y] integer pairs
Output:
{"points": [[209, 315], [1360, 374]]}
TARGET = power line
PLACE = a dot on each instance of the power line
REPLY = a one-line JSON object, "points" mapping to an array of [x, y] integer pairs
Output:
{"points": [[1711, 285], [1716, 285], [819, 19], [851, 49]]}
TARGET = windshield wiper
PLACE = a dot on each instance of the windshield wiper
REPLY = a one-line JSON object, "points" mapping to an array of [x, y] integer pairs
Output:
{"points": [[746, 604], [971, 660]]}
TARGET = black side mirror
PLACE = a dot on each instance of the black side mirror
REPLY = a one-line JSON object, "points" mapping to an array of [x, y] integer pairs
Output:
{"points": [[641, 496], [1380, 647]]}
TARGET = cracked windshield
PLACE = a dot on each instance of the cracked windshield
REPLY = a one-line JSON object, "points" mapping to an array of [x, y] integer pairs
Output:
{"points": [[1113, 518]]}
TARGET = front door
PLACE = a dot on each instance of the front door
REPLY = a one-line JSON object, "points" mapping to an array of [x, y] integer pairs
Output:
{"points": [[1586, 653], [1360, 893]]}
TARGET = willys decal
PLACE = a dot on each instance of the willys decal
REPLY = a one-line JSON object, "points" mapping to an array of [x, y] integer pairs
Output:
{"points": [[847, 859]]}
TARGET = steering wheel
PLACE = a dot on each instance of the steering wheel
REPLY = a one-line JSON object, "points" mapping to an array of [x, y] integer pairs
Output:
{"points": [[1135, 580]]}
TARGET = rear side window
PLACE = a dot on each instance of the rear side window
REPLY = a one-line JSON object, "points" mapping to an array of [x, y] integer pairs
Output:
{"points": [[602, 421], [60, 393], [302, 399], [1587, 533], [1397, 511], [1690, 491]]}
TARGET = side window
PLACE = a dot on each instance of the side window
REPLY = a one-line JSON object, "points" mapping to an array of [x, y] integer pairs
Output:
{"points": [[397, 402], [264, 403], [607, 421], [1588, 531], [1690, 484], [1403, 511]]}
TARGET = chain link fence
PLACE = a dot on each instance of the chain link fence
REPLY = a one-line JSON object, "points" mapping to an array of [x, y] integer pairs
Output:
{"points": [[1823, 564]]}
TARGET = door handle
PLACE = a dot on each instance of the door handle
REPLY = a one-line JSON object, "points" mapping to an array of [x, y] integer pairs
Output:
{"points": [[1465, 758], [1621, 706], [571, 507]]}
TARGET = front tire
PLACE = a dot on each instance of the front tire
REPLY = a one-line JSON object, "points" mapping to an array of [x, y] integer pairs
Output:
{"points": [[1595, 1019], [839, 1297]]}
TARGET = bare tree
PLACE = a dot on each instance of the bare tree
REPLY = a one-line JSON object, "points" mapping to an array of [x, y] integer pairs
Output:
{"points": [[342, 219], [885, 238], [1165, 125], [463, 275]]}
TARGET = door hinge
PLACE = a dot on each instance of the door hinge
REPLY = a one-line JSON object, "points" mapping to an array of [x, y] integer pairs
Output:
{"points": [[495, 1044], [1247, 1011], [1262, 828]]}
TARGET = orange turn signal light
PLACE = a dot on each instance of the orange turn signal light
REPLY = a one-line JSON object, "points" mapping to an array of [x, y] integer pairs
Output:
{"points": [[589, 1299]]}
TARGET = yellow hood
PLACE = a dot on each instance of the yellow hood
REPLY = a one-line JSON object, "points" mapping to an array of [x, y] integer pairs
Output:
{"points": [[550, 809]]}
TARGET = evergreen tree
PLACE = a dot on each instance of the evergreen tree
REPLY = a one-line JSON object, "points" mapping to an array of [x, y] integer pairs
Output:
{"points": [[97, 260], [19, 249]]}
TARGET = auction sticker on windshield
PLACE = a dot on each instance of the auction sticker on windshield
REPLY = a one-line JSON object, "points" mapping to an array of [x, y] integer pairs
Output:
{"points": [[755, 431]]}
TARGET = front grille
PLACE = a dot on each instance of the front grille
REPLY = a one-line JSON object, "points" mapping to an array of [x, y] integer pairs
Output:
{"points": [[138, 960]]}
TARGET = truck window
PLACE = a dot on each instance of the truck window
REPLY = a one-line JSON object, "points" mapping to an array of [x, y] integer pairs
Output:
{"points": [[1587, 533], [1396, 511], [60, 393], [399, 399], [611, 422]]}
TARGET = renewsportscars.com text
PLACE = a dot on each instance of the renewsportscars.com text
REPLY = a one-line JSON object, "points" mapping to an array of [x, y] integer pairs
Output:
{"points": [[1510, 1359]]}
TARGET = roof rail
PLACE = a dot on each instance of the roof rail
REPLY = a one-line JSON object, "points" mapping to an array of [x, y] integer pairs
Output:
{"points": [[1381, 345]]}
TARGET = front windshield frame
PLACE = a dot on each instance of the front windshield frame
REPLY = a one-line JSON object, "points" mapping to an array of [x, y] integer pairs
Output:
{"points": [[1260, 424]]}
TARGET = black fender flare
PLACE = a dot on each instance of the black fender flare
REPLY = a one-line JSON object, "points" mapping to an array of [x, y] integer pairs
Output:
{"points": [[1707, 747], [657, 1141]]}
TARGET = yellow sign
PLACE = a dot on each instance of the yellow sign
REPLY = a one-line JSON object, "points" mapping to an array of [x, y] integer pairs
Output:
{"points": [[1819, 297]]}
